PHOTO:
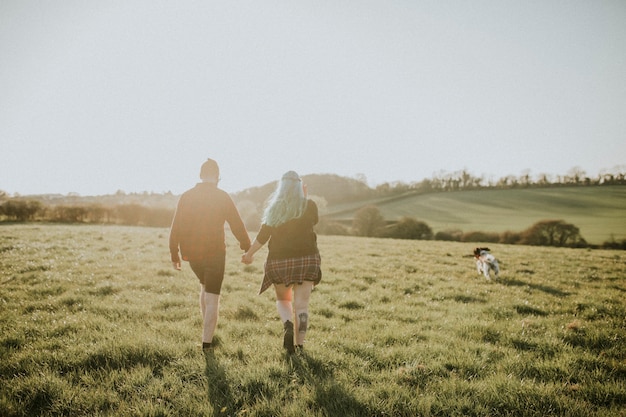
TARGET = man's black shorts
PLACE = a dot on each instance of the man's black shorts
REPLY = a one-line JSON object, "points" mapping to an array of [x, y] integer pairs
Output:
{"points": [[210, 272]]}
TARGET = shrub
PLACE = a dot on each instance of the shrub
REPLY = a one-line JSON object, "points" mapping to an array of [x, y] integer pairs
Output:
{"points": [[480, 237], [450, 235], [510, 238], [553, 233], [614, 244], [409, 228]]}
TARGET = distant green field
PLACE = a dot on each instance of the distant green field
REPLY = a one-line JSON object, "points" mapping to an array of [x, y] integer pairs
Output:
{"points": [[599, 212]]}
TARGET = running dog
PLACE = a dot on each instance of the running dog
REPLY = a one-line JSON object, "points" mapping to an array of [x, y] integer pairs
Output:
{"points": [[485, 262]]}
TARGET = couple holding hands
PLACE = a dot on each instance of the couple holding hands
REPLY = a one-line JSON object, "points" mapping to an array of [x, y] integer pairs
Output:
{"points": [[293, 260]]}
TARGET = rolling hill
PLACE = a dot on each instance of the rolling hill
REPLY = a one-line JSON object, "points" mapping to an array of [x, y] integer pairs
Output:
{"points": [[599, 211]]}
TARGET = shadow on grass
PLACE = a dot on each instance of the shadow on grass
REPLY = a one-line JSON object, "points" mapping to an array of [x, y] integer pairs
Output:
{"points": [[331, 398], [618, 288], [548, 290], [221, 398]]}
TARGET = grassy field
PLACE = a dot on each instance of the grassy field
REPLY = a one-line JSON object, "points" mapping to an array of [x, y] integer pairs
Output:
{"points": [[94, 322], [598, 211]]}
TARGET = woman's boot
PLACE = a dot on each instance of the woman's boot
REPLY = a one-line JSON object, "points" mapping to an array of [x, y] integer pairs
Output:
{"points": [[288, 337]]}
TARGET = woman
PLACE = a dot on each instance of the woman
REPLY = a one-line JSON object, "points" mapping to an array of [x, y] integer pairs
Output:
{"points": [[293, 260]]}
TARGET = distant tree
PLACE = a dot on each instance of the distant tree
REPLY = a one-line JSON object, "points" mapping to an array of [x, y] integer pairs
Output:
{"points": [[68, 214], [509, 181], [425, 185], [524, 179], [399, 187], [543, 180], [467, 179], [409, 228], [614, 176], [383, 189], [553, 233], [575, 175], [368, 222], [21, 210]]}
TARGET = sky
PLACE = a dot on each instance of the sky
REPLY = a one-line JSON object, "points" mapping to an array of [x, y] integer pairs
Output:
{"points": [[102, 96]]}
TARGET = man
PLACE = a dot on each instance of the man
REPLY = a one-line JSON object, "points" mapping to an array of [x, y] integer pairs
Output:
{"points": [[198, 231]]}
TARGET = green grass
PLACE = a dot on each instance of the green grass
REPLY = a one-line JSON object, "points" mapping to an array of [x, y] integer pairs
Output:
{"points": [[95, 323], [598, 211]]}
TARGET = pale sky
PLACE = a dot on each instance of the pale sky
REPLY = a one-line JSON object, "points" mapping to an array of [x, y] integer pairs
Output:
{"points": [[100, 96]]}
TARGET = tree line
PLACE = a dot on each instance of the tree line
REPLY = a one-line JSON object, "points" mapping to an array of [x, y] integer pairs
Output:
{"points": [[27, 210], [465, 180], [156, 210], [368, 222]]}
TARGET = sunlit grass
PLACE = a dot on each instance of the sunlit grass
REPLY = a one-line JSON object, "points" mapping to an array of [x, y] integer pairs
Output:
{"points": [[95, 322]]}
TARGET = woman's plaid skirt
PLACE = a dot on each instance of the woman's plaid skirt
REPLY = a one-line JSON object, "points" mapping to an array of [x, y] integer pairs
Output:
{"points": [[292, 271]]}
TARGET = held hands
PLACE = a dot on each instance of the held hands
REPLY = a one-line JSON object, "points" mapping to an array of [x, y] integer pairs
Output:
{"points": [[247, 258]]}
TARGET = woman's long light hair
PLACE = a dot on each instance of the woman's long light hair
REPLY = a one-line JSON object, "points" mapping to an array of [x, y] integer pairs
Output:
{"points": [[287, 202]]}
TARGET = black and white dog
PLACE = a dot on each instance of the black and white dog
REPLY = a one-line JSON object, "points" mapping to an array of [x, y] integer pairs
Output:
{"points": [[485, 262]]}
